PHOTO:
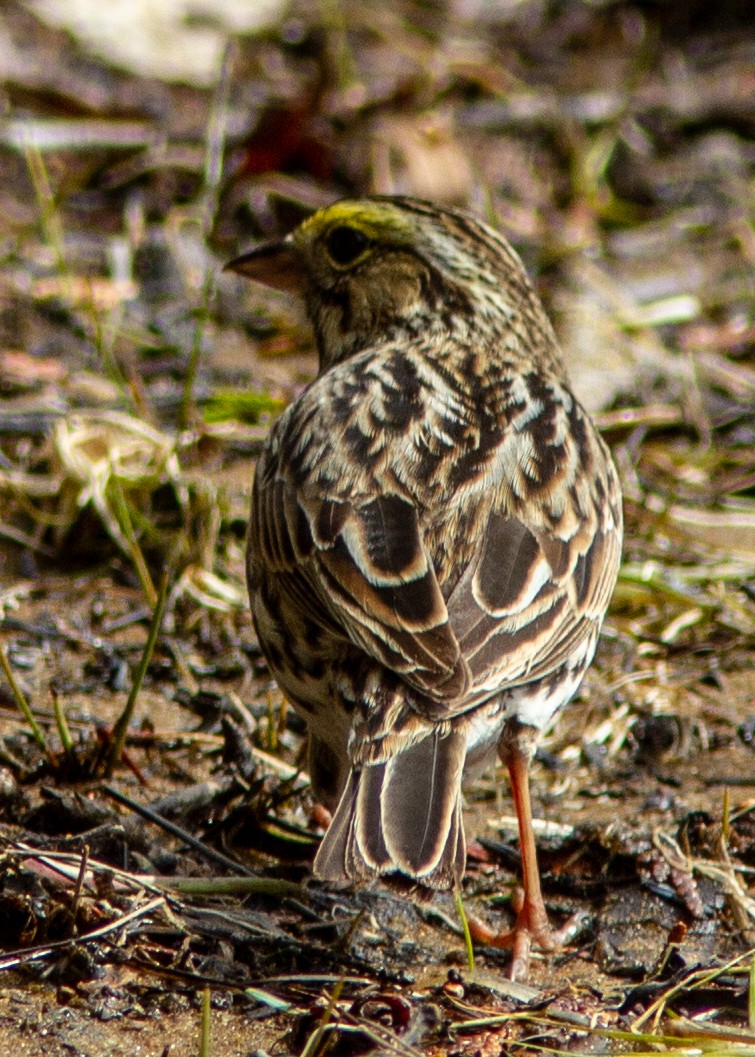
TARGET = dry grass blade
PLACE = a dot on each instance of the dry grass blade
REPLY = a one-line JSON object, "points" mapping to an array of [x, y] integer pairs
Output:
{"points": [[682, 1028], [232, 886], [468, 945], [208, 590], [20, 698], [317, 1041], [61, 722], [206, 1024], [115, 463], [213, 169], [695, 979], [80, 878], [269, 1000], [67, 866], [121, 510], [120, 729]]}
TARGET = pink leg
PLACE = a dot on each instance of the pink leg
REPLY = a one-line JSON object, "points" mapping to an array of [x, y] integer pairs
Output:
{"points": [[532, 919]]}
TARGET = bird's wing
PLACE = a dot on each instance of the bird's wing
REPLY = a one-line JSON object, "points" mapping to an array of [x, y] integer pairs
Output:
{"points": [[371, 572], [532, 599], [532, 593], [528, 603]]}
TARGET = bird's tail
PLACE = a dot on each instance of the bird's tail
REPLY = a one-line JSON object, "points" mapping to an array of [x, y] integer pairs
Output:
{"points": [[401, 814]]}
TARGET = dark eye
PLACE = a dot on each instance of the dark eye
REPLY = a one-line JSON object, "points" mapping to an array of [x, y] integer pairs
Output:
{"points": [[345, 244]]}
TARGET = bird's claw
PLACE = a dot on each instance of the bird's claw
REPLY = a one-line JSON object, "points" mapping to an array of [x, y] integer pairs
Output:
{"points": [[531, 929]]}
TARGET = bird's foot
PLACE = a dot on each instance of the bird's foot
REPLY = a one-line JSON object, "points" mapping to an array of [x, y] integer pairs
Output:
{"points": [[531, 929]]}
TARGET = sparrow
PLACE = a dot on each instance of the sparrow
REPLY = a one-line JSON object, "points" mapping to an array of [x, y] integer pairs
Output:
{"points": [[434, 538]]}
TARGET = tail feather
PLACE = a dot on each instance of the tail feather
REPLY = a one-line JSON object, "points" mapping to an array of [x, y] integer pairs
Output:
{"points": [[403, 815], [419, 800], [333, 853], [369, 845]]}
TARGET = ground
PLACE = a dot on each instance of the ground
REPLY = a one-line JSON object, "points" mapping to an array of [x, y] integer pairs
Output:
{"points": [[612, 143]]}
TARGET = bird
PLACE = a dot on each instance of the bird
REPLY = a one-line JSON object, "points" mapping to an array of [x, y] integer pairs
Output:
{"points": [[434, 538]]}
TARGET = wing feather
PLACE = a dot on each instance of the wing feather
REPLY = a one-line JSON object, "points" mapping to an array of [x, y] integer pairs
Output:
{"points": [[532, 594], [370, 570], [526, 605]]}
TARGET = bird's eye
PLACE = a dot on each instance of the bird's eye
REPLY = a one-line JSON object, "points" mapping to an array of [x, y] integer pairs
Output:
{"points": [[345, 244]]}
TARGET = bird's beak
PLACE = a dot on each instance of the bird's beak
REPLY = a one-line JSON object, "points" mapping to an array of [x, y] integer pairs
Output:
{"points": [[276, 264]]}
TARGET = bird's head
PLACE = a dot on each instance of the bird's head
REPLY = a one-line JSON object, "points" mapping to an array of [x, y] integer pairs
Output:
{"points": [[377, 269]]}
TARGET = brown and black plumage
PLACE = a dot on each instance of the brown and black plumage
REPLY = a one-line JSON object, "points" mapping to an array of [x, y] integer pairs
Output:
{"points": [[434, 537]]}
